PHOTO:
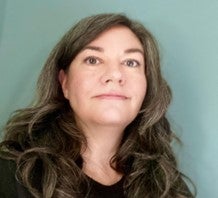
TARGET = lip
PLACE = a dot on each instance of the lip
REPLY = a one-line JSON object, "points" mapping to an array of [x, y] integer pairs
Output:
{"points": [[112, 96]]}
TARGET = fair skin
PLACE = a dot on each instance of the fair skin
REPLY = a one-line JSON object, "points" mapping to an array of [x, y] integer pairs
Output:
{"points": [[105, 86]]}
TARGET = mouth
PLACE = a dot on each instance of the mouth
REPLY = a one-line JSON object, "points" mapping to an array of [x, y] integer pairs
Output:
{"points": [[111, 96]]}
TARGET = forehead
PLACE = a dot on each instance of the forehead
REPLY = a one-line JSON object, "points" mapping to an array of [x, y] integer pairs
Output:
{"points": [[118, 34]]}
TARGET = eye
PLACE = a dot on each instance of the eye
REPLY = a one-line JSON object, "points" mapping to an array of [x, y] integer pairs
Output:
{"points": [[131, 63], [91, 60]]}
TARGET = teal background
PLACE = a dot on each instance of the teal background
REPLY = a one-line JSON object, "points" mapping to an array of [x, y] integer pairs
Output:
{"points": [[187, 31]]}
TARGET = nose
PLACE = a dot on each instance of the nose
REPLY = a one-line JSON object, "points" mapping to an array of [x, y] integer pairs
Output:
{"points": [[113, 74]]}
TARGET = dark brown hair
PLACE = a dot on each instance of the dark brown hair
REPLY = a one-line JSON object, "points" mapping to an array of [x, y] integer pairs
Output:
{"points": [[44, 140]]}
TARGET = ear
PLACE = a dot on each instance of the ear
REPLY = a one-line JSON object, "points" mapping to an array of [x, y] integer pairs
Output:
{"points": [[62, 77]]}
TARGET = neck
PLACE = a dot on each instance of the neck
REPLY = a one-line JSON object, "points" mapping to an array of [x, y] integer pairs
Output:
{"points": [[102, 145]]}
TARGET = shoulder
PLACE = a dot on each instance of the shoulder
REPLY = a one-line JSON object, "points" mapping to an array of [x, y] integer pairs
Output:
{"points": [[7, 181], [9, 186], [7, 170]]}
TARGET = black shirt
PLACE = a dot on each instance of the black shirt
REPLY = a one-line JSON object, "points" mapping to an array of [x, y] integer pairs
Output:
{"points": [[102, 191], [11, 188]]}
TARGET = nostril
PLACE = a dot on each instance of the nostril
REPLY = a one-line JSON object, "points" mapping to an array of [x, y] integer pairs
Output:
{"points": [[120, 80], [113, 75], [108, 80]]}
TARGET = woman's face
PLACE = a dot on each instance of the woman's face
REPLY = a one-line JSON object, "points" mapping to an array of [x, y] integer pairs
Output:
{"points": [[106, 82]]}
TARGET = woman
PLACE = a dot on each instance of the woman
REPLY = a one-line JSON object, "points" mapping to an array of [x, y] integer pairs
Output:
{"points": [[97, 127]]}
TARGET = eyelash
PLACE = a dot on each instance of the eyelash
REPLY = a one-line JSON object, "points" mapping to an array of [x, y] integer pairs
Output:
{"points": [[87, 60], [98, 61], [135, 62]]}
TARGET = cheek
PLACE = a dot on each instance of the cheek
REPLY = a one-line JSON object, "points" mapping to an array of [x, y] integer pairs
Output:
{"points": [[76, 89], [144, 88], [79, 88], [140, 93], [140, 88]]}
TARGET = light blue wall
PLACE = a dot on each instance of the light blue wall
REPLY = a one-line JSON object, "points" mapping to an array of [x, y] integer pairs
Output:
{"points": [[187, 31]]}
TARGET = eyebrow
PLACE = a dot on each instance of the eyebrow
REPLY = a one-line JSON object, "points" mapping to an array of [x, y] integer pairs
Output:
{"points": [[134, 50], [100, 49], [95, 48]]}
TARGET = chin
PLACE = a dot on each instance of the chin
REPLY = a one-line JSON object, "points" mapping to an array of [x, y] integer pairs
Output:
{"points": [[121, 121]]}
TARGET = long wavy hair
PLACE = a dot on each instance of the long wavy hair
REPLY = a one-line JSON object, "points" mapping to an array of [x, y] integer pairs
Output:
{"points": [[45, 141]]}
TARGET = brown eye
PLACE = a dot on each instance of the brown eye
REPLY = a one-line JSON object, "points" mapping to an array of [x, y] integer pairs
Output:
{"points": [[92, 60], [131, 63]]}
